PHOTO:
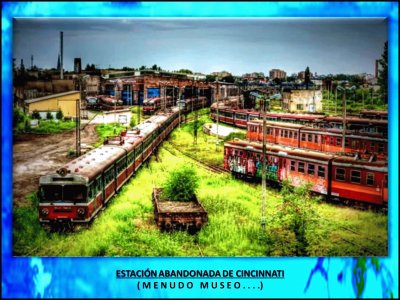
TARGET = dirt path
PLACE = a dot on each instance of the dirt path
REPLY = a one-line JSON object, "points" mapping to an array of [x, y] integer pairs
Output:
{"points": [[36, 155]]}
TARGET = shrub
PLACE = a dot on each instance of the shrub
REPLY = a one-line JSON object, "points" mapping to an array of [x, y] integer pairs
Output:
{"points": [[59, 115], [233, 135], [49, 116], [181, 184], [36, 115]]}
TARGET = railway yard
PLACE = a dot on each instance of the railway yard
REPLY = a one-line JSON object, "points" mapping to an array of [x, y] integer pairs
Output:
{"points": [[125, 226]]}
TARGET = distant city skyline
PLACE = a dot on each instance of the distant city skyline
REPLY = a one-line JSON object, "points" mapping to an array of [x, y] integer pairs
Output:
{"points": [[205, 45]]}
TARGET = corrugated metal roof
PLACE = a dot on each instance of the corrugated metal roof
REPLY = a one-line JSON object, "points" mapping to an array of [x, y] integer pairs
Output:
{"points": [[50, 96]]}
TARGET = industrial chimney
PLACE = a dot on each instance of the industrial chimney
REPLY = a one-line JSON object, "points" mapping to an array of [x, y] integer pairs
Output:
{"points": [[61, 51]]}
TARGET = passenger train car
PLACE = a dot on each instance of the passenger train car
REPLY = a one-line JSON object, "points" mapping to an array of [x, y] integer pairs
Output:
{"points": [[190, 104], [321, 139], [76, 192], [240, 117], [337, 177], [151, 105]]}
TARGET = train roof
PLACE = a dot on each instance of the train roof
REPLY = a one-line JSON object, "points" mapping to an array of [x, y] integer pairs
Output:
{"points": [[374, 112], [357, 120], [93, 162]]}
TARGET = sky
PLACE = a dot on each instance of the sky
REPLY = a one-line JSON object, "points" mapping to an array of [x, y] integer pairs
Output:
{"points": [[237, 45]]}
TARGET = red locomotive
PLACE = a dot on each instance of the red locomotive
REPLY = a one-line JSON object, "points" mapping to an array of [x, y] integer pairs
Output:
{"points": [[76, 192], [336, 177], [320, 139]]}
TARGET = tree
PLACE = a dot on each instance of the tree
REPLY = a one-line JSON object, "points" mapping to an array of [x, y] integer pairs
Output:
{"points": [[181, 185], [185, 71], [154, 67], [307, 79], [228, 78], [211, 78], [142, 68], [383, 73]]}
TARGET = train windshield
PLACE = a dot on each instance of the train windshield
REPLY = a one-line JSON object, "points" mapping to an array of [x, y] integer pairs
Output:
{"points": [[66, 193]]}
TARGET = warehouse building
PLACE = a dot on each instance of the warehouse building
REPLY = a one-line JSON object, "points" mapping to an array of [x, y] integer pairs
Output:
{"points": [[66, 102]]}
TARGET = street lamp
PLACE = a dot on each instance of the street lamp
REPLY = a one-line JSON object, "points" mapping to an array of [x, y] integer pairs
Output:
{"points": [[344, 89]]}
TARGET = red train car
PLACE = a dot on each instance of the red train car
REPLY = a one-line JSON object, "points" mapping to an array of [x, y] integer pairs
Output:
{"points": [[76, 192], [348, 178], [151, 105], [326, 140]]}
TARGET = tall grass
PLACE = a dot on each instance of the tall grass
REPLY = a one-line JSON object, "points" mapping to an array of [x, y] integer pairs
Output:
{"points": [[127, 228]]}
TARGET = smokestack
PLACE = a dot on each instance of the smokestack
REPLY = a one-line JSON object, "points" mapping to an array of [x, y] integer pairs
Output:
{"points": [[61, 58]]}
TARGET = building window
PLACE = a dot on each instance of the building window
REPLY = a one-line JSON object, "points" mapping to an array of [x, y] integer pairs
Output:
{"points": [[340, 174], [355, 176], [311, 169], [299, 106], [293, 165], [301, 167], [370, 179], [321, 171]]}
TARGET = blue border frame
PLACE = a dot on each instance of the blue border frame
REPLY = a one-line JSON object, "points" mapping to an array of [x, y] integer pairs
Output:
{"points": [[95, 277]]}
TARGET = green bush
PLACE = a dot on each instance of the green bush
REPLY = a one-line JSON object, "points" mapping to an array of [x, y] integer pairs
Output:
{"points": [[233, 135], [36, 115], [49, 116], [59, 115], [181, 184]]}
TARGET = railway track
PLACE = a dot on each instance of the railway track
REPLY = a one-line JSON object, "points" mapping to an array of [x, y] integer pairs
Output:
{"points": [[213, 168]]}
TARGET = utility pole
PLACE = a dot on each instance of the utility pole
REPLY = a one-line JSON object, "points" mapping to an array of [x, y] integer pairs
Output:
{"points": [[336, 101], [216, 144], [344, 121], [264, 164]]}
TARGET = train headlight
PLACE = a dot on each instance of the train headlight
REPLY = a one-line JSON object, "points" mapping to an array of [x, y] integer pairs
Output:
{"points": [[45, 211], [81, 211]]}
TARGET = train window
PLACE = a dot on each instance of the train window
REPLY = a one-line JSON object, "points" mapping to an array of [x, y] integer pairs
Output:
{"points": [[301, 167], [293, 165], [50, 193], [310, 137], [91, 191], [346, 142], [286, 133], [355, 176], [338, 141], [370, 179], [295, 135], [303, 137], [380, 147], [372, 147], [290, 134], [353, 144], [385, 181], [74, 193], [311, 169], [332, 140], [321, 171], [340, 174], [99, 185], [316, 139]]}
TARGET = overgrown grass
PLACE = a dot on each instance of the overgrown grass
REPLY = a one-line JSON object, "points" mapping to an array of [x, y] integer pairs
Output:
{"points": [[53, 126], [106, 130], [127, 228]]}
